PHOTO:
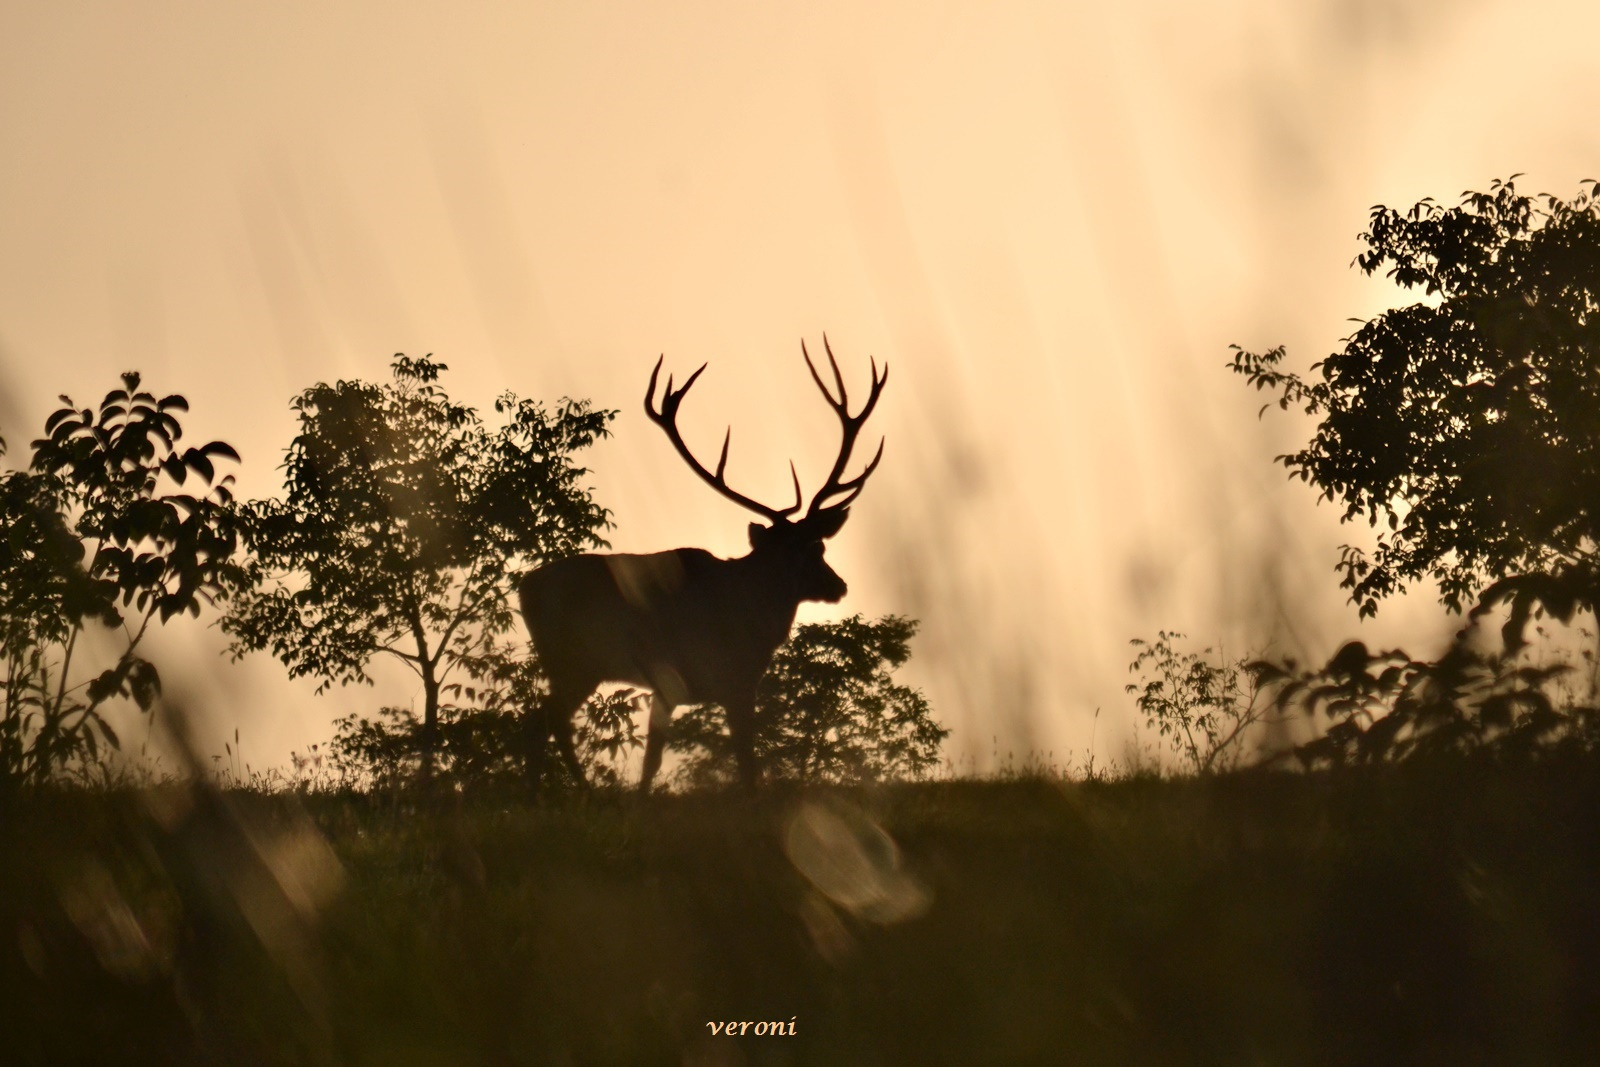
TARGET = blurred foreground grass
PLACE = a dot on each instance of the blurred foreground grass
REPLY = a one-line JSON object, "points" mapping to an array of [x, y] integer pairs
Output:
{"points": [[1429, 915]]}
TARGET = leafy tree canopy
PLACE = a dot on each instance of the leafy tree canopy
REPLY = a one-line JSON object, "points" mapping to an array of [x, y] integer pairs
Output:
{"points": [[403, 520], [1468, 422]]}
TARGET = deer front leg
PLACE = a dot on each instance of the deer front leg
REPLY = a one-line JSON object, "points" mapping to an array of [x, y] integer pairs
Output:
{"points": [[535, 735], [655, 739], [742, 728]]}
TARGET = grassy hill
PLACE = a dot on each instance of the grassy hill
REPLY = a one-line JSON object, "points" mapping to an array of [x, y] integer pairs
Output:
{"points": [[1423, 915]]}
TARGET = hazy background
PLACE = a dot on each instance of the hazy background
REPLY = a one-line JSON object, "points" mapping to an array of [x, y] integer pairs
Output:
{"points": [[1050, 219]]}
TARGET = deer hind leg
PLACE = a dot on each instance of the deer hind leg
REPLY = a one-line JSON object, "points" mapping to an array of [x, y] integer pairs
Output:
{"points": [[569, 752], [655, 739], [553, 718]]}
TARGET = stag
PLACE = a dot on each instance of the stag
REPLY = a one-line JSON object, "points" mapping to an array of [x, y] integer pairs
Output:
{"points": [[688, 626]]}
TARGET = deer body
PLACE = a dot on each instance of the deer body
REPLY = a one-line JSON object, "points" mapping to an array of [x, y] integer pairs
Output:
{"points": [[685, 624]]}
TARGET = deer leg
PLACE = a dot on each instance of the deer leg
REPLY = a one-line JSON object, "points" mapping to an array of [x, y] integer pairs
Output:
{"points": [[552, 717], [569, 753], [534, 735], [655, 739], [742, 728]]}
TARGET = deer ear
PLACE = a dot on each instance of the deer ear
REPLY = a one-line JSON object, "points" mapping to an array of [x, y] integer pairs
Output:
{"points": [[827, 524], [758, 533]]}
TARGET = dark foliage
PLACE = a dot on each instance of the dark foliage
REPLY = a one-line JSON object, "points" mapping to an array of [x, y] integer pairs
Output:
{"points": [[114, 526], [479, 747], [405, 522], [828, 710], [1468, 424], [1386, 706]]}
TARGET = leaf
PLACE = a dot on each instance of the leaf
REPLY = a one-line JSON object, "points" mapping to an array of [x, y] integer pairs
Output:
{"points": [[104, 686], [1350, 660], [199, 463], [63, 423]]}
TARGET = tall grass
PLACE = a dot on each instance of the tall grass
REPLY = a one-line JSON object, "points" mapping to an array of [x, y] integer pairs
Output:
{"points": [[1426, 913]]}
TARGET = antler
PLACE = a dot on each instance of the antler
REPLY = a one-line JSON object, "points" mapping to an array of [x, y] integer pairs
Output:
{"points": [[852, 427], [667, 418]]}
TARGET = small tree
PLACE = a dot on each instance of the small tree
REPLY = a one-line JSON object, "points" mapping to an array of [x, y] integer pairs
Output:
{"points": [[1468, 423], [112, 528], [1205, 712], [404, 523], [828, 709]]}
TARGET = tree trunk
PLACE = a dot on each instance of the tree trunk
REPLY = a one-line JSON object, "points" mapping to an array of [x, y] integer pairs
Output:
{"points": [[430, 721], [430, 693]]}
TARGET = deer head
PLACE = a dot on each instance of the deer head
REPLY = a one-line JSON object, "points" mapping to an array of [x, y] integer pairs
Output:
{"points": [[791, 546]]}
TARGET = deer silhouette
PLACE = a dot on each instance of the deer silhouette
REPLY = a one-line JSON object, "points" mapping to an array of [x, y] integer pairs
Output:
{"points": [[685, 624]]}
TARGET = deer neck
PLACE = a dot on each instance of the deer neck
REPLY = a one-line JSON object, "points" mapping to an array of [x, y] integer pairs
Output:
{"points": [[773, 608]]}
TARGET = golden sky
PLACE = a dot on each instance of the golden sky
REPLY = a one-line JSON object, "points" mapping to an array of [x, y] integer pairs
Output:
{"points": [[1051, 219]]}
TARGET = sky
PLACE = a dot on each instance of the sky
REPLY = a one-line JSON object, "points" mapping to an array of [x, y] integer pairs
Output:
{"points": [[1050, 219]]}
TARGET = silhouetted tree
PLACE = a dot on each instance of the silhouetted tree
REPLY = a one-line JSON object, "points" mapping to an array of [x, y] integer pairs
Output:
{"points": [[828, 709], [111, 528], [1469, 422], [404, 520]]}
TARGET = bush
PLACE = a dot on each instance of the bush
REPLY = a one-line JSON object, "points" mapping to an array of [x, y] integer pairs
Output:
{"points": [[479, 746], [1205, 711], [1387, 707]]}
